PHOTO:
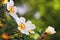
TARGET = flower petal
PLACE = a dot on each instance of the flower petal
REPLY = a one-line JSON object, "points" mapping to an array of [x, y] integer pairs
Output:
{"points": [[50, 30], [37, 15], [14, 16], [11, 3], [32, 32], [15, 9], [22, 20], [22, 9], [23, 31], [29, 25]]}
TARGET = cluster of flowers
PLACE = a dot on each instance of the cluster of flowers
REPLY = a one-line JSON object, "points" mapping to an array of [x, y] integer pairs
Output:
{"points": [[24, 26]]}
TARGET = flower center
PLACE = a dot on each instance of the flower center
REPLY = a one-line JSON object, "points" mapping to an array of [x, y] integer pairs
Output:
{"points": [[11, 9], [22, 26]]}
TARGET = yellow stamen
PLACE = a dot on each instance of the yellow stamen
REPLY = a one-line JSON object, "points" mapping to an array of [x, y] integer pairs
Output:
{"points": [[11, 9], [22, 26]]}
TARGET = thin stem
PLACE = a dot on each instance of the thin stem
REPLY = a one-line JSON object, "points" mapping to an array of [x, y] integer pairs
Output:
{"points": [[43, 36]]}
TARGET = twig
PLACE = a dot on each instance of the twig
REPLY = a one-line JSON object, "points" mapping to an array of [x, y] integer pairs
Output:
{"points": [[43, 36]]}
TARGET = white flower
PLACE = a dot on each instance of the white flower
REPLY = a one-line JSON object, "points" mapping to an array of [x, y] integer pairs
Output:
{"points": [[12, 9], [50, 30], [22, 9], [10, 4], [37, 15], [13, 13], [25, 27]]}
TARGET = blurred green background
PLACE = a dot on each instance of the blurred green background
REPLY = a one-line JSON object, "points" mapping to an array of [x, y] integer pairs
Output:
{"points": [[49, 11]]}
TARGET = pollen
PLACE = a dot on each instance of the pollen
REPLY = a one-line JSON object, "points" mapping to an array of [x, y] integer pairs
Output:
{"points": [[22, 26], [11, 9]]}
